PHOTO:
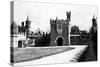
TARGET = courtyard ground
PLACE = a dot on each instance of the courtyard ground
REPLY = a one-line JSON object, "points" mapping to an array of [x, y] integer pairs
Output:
{"points": [[33, 53], [49, 55]]}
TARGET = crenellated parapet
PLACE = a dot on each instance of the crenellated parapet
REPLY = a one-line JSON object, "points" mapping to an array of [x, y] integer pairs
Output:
{"points": [[62, 21], [58, 21]]}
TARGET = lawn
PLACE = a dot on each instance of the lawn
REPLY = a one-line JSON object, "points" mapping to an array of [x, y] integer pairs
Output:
{"points": [[33, 53]]}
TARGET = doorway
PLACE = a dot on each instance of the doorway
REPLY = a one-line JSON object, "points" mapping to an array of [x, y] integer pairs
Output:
{"points": [[59, 41], [19, 44]]}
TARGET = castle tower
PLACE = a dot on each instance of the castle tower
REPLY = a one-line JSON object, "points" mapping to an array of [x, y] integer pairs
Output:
{"points": [[94, 23], [28, 22], [59, 32]]}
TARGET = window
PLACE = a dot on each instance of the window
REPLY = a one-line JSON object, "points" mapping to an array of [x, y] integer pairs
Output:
{"points": [[59, 28]]}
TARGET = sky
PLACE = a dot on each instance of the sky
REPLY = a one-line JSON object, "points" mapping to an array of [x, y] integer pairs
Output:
{"points": [[40, 14]]}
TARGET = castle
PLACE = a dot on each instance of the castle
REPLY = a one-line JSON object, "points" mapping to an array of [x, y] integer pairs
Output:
{"points": [[60, 31], [20, 33], [24, 28]]}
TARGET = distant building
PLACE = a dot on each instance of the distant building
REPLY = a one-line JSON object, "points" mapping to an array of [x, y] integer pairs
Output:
{"points": [[20, 38], [83, 37], [75, 30], [60, 31], [93, 31], [22, 29], [28, 22]]}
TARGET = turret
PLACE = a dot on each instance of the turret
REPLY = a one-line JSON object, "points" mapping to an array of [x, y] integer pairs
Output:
{"points": [[68, 14], [27, 26], [94, 21]]}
